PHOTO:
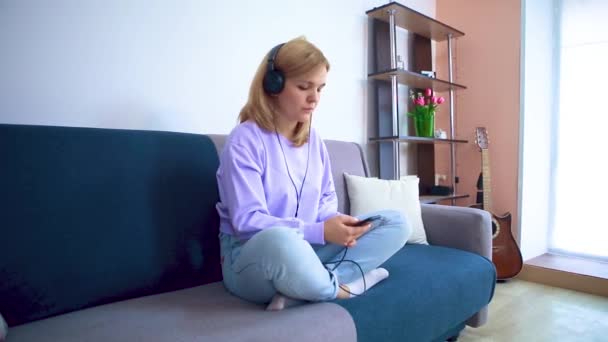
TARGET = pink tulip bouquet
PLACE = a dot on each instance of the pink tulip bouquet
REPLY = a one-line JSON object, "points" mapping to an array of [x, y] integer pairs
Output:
{"points": [[424, 104], [424, 111]]}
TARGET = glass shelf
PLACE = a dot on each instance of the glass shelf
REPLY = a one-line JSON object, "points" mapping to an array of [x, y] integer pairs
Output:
{"points": [[415, 22], [416, 80], [413, 139], [428, 199]]}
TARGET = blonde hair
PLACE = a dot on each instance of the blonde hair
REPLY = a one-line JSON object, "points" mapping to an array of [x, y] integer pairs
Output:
{"points": [[295, 58]]}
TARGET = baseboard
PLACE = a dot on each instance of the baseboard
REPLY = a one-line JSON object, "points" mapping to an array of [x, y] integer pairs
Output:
{"points": [[564, 279]]}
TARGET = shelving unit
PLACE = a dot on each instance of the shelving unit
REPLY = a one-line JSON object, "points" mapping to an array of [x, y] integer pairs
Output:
{"points": [[428, 199], [415, 80], [414, 21], [387, 78], [420, 140]]}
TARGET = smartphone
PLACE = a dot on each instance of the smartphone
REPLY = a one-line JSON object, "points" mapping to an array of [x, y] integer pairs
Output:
{"points": [[370, 219]]}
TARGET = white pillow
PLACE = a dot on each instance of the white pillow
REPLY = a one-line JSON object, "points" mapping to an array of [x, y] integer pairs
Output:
{"points": [[368, 194]]}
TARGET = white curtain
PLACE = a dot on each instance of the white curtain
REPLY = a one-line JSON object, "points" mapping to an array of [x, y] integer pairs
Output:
{"points": [[580, 183]]}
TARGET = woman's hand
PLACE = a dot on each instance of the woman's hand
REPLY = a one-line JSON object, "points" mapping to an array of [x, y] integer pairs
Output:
{"points": [[341, 230]]}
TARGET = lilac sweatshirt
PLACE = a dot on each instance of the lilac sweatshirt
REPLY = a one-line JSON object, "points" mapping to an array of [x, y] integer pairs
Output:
{"points": [[256, 192]]}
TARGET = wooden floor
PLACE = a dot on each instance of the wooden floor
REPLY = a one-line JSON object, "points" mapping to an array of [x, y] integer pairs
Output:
{"points": [[526, 311]]}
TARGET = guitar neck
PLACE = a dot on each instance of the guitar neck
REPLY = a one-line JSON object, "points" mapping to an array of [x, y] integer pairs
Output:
{"points": [[487, 184]]}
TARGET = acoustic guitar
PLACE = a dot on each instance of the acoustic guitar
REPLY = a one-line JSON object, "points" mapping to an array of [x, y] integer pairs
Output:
{"points": [[506, 255]]}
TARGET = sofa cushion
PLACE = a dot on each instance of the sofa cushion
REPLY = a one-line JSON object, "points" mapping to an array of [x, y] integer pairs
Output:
{"points": [[204, 313], [430, 290], [90, 216], [367, 194]]}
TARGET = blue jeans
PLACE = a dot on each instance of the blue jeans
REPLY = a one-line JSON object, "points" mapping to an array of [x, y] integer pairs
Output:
{"points": [[278, 259]]}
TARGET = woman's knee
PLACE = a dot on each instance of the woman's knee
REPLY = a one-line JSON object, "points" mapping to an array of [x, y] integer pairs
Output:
{"points": [[396, 221], [292, 265]]}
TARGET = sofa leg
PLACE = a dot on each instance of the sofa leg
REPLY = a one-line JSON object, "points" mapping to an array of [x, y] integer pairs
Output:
{"points": [[453, 338]]}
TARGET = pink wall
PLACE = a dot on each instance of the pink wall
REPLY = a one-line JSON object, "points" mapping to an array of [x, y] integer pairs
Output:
{"points": [[487, 61]]}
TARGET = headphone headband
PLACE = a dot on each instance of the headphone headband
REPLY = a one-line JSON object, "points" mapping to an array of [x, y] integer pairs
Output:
{"points": [[272, 55], [274, 80]]}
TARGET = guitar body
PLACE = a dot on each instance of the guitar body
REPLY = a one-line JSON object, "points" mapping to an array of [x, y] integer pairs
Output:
{"points": [[505, 252]]}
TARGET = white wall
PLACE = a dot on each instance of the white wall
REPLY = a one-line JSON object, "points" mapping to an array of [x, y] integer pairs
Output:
{"points": [[538, 96], [173, 65]]}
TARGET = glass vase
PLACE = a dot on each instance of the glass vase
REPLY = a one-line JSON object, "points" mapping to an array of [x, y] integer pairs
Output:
{"points": [[425, 125]]}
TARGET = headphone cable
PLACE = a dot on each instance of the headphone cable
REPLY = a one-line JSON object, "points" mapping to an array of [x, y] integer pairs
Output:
{"points": [[298, 194], [356, 264], [298, 197]]}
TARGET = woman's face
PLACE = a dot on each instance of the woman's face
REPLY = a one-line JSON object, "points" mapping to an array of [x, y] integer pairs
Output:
{"points": [[301, 95]]}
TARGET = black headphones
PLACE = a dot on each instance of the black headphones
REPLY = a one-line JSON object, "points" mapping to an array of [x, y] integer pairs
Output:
{"points": [[274, 79]]}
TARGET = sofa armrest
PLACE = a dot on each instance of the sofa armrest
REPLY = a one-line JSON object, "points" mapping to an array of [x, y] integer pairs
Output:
{"points": [[463, 228]]}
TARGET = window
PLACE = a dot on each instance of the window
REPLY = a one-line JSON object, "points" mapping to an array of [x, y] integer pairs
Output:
{"points": [[579, 206]]}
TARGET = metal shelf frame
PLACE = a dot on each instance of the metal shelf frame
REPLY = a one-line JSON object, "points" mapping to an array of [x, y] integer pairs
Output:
{"points": [[395, 15]]}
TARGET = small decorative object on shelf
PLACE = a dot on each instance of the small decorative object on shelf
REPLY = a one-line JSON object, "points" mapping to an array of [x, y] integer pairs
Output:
{"points": [[440, 134], [427, 73], [440, 190], [424, 112], [400, 63]]}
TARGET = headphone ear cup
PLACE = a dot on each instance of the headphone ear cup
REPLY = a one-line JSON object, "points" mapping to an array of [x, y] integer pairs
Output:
{"points": [[274, 82]]}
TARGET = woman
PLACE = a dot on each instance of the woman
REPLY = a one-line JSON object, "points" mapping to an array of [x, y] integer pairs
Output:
{"points": [[278, 208]]}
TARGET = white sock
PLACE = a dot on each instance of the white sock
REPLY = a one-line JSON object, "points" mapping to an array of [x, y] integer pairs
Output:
{"points": [[372, 278], [280, 302]]}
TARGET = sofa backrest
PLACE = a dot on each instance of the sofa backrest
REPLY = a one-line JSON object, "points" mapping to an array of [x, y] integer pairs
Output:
{"points": [[90, 216], [345, 157]]}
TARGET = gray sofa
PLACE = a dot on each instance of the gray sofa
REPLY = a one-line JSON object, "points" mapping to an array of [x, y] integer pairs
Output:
{"points": [[111, 235]]}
